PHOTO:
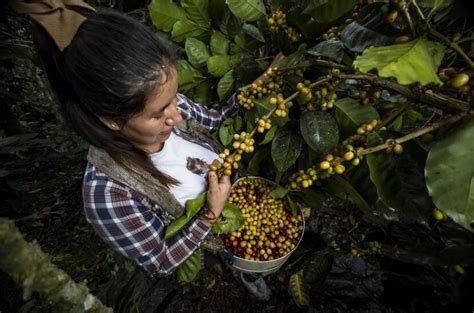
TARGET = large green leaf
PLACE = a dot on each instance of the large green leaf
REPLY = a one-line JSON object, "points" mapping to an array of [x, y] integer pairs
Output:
{"points": [[286, 148], [329, 49], [202, 93], [197, 51], [188, 76], [164, 14], [219, 43], [185, 29], [399, 180], [449, 175], [350, 115], [192, 207], [324, 11], [319, 130], [249, 10], [197, 11], [225, 85], [230, 220], [416, 61], [299, 289], [188, 271], [218, 65], [253, 32]]}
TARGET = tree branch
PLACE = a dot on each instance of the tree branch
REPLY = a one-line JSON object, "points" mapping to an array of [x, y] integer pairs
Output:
{"points": [[453, 45], [420, 132], [437, 100]]}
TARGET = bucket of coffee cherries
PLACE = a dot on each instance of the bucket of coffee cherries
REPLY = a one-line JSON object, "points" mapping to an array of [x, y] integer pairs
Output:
{"points": [[270, 232]]}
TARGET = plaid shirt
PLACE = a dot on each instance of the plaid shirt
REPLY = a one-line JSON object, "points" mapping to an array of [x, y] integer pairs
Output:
{"points": [[135, 226]]}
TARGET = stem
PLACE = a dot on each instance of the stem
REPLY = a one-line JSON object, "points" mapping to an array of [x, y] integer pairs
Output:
{"points": [[439, 101], [330, 64], [418, 10], [413, 135], [453, 45], [407, 16]]}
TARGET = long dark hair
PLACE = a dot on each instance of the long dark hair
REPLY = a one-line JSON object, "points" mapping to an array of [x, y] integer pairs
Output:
{"points": [[111, 68]]}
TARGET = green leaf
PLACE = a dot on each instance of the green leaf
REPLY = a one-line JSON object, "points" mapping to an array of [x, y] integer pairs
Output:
{"points": [[226, 131], [218, 65], [435, 5], [324, 11], [253, 32], [225, 85], [350, 115], [311, 197], [192, 207], [202, 93], [416, 61], [248, 10], [197, 51], [295, 60], [286, 148], [299, 289], [279, 192], [164, 14], [185, 29], [449, 175], [329, 49], [319, 130], [219, 43], [399, 180], [291, 203], [317, 267], [397, 124], [230, 220], [197, 11], [356, 197], [269, 135], [188, 76], [254, 164], [238, 123], [188, 271]]}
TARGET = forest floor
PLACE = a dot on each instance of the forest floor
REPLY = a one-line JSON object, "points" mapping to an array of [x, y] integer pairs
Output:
{"points": [[56, 221]]}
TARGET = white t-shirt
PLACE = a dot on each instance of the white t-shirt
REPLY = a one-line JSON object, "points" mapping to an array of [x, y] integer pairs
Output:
{"points": [[188, 163]]}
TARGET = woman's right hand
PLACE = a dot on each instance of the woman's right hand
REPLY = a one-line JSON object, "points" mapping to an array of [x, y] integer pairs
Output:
{"points": [[219, 190]]}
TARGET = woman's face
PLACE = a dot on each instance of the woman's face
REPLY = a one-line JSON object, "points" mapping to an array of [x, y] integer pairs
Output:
{"points": [[150, 128]]}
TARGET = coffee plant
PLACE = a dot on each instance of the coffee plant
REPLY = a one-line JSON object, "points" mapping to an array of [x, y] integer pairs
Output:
{"points": [[372, 97]]}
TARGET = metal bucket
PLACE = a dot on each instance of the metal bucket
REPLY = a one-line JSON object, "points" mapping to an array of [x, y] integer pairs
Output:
{"points": [[263, 267]]}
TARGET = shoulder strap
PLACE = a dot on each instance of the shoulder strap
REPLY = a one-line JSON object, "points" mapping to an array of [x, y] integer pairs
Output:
{"points": [[138, 180]]}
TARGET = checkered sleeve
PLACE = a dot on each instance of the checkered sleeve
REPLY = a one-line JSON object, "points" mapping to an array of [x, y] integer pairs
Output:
{"points": [[209, 118], [135, 231]]}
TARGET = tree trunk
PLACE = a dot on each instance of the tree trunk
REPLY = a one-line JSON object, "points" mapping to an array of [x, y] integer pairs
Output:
{"points": [[29, 266]]}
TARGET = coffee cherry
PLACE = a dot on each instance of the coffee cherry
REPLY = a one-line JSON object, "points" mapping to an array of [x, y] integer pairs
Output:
{"points": [[398, 148], [438, 215], [392, 16], [460, 80]]}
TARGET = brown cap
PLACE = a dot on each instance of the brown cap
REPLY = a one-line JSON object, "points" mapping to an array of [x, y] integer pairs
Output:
{"points": [[57, 17]]}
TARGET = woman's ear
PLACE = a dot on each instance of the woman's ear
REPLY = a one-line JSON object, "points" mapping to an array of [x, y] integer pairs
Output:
{"points": [[109, 123]]}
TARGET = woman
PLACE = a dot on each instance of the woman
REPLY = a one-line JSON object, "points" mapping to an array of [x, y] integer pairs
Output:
{"points": [[117, 85]]}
